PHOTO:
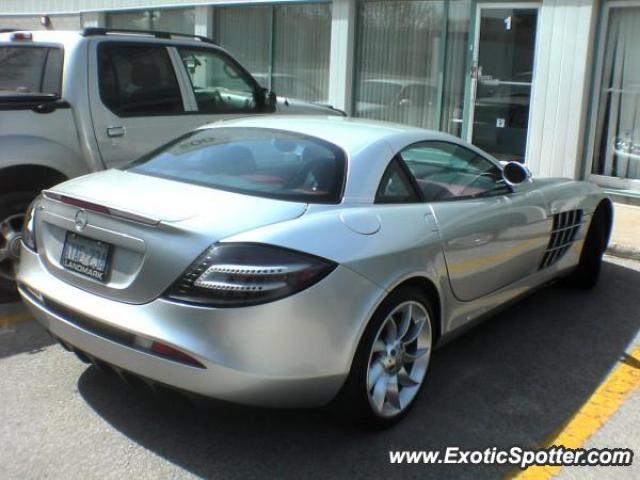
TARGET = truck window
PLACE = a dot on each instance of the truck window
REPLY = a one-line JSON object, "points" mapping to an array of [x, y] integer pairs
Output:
{"points": [[219, 85], [29, 69], [138, 80]]}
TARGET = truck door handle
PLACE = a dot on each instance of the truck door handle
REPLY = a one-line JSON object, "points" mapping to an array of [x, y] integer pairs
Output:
{"points": [[116, 131]]}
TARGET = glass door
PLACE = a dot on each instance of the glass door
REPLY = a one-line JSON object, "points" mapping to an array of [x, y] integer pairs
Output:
{"points": [[502, 76]]}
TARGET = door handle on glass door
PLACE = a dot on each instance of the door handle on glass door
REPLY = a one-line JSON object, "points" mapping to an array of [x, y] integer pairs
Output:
{"points": [[474, 70], [116, 132]]}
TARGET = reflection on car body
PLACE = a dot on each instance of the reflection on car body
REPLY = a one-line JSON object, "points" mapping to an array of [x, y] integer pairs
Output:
{"points": [[404, 100]]}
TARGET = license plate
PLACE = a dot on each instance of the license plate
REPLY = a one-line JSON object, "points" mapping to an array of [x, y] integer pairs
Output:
{"points": [[86, 256]]}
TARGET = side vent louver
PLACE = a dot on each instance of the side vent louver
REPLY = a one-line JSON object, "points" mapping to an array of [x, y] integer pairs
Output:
{"points": [[565, 229]]}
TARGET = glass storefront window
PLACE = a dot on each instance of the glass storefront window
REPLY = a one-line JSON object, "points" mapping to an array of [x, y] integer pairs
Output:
{"points": [[285, 47], [246, 33], [617, 135], [455, 70], [138, 20], [178, 20], [301, 50], [411, 62], [398, 61]]}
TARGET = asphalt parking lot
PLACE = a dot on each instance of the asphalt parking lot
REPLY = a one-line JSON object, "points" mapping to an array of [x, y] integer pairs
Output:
{"points": [[514, 380]]}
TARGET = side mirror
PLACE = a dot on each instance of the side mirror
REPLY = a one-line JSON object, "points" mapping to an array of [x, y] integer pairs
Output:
{"points": [[268, 99], [515, 173]]}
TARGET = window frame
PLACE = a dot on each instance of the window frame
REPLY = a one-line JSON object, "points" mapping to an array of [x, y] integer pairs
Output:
{"points": [[243, 72], [508, 189], [145, 44]]}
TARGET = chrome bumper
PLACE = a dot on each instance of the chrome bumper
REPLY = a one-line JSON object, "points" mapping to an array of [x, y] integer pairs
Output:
{"points": [[294, 352]]}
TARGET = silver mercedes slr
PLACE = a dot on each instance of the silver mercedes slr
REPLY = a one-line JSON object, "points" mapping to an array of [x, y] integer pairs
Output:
{"points": [[299, 261]]}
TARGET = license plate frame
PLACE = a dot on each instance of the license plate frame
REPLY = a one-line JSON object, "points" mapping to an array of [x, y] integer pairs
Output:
{"points": [[86, 256]]}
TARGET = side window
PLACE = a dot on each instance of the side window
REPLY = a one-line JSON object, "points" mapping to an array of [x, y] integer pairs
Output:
{"points": [[30, 68], [445, 171], [138, 80], [219, 86], [395, 187]]}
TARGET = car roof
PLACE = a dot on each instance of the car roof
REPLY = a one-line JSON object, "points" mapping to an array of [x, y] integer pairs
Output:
{"points": [[351, 134], [69, 38], [63, 37]]}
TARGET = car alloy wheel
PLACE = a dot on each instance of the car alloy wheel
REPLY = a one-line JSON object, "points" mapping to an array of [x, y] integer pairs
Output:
{"points": [[399, 359]]}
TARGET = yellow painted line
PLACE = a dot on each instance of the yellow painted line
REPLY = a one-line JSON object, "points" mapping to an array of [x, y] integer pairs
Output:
{"points": [[602, 404], [15, 318]]}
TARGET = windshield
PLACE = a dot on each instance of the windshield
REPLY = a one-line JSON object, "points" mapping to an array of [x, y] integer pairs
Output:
{"points": [[28, 69], [254, 161]]}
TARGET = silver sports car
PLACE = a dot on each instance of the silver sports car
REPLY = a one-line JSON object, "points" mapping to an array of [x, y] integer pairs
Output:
{"points": [[295, 261]]}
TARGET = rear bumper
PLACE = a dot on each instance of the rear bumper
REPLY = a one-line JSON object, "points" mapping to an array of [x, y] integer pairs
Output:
{"points": [[293, 352]]}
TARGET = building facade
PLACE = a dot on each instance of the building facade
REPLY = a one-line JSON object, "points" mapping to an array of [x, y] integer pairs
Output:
{"points": [[552, 83]]}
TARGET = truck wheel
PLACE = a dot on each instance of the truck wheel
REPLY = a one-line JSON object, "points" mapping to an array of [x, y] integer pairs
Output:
{"points": [[12, 208]]}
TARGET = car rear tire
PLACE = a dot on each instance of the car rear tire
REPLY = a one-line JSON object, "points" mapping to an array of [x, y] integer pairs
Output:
{"points": [[391, 361], [587, 273], [12, 208]]}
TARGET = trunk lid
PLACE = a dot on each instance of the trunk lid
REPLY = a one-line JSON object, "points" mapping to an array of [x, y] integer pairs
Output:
{"points": [[155, 228]]}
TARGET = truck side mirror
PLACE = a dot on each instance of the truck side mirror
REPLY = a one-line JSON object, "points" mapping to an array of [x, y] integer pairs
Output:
{"points": [[268, 99]]}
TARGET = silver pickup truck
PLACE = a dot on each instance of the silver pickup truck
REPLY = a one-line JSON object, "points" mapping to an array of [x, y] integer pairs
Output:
{"points": [[72, 103]]}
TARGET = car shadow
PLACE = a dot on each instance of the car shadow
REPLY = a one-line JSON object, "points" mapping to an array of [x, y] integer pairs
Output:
{"points": [[511, 381], [23, 337]]}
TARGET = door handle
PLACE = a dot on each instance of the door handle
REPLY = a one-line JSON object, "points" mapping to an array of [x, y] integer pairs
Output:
{"points": [[116, 131], [473, 73]]}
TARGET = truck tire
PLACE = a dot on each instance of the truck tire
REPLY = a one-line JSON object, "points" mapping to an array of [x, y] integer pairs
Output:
{"points": [[12, 208]]}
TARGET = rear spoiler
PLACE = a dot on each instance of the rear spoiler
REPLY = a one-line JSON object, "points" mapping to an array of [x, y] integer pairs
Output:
{"points": [[38, 102], [103, 209]]}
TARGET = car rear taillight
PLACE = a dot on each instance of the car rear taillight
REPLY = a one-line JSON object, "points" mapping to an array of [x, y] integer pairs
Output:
{"points": [[243, 274], [21, 36]]}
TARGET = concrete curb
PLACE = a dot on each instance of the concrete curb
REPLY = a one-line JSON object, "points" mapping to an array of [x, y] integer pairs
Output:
{"points": [[623, 251]]}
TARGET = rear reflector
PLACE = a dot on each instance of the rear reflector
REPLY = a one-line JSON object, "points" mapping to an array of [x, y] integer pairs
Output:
{"points": [[174, 354]]}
